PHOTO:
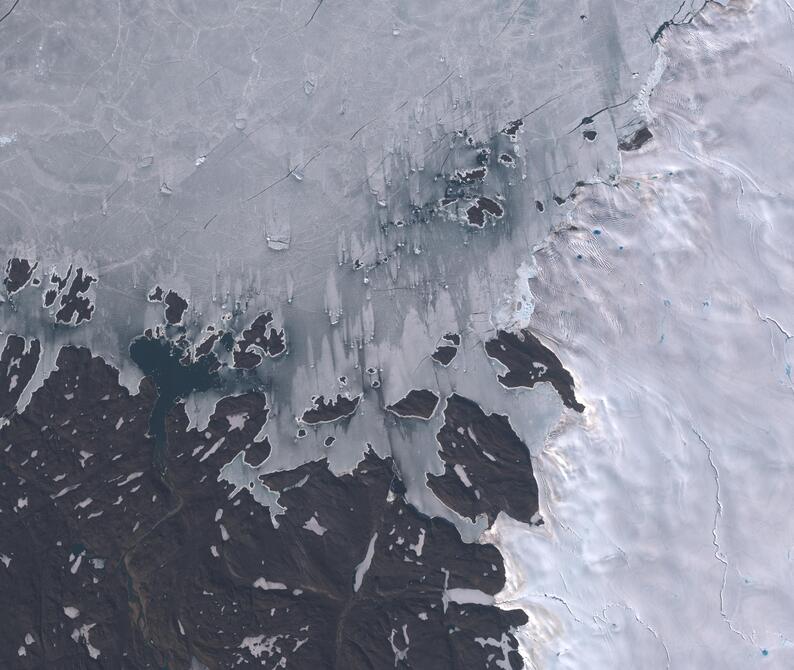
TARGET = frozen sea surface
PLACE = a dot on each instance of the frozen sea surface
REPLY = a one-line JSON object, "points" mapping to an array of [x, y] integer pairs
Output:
{"points": [[247, 155], [244, 158]]}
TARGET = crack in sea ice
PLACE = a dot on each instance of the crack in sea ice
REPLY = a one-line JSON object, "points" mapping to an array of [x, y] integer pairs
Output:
{"points": [[516, 602], [559, 599], [769, 319], [718, 553], [785, 333], [640, 621]]}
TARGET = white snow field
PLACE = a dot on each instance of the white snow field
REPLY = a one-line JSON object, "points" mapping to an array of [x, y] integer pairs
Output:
{"points": [[669, 528]]}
